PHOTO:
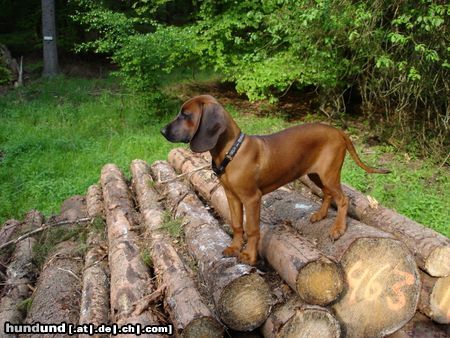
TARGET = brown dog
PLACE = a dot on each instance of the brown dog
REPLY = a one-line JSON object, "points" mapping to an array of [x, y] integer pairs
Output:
{"points": [[251, 166]]}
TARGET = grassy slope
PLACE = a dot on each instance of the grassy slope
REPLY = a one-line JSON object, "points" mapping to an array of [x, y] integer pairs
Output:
{"points": [[56, 135]]}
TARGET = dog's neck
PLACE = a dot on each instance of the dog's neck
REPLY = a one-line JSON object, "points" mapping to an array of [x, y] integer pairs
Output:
{"points": [[225, 142]]}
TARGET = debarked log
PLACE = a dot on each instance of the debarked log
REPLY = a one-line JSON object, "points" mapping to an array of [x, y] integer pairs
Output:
{"points": [[188, 312], [94, 201], [435, 298], [316, 278], [297, 319], [421, 326], [57, 295], [17, 285], [431, 249], [242, 298], [383, 279], [95, 293], [130, 280]]}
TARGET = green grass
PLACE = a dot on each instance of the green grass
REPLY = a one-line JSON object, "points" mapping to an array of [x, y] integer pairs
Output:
{"points": [[56, 135], [417, 189]]}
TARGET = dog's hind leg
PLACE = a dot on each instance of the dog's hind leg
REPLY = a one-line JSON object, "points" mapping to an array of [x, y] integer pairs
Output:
{"points": [[333, 185], [323, 211]]}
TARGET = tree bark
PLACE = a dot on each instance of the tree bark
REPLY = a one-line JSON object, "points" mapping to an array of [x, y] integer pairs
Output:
{"points": [[130, 281], [316, 278], [205, 182], [94, 201], [383, 279], [435, 298], [241, 296], [431, 249], [190, 316], [57, 294], [50, 50], [8, 229], [16, 290], [297, 319], [95, 292]]}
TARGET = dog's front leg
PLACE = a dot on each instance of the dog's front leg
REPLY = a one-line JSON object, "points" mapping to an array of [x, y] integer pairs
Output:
{"points": [[236, 214], [252, 212]]}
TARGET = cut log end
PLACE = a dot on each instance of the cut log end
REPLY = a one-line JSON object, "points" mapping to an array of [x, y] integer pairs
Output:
{"points": [[203, 327], [383, 287], [320, 282], [245, 303], [311, 323], [440, 301], [438, 262]]}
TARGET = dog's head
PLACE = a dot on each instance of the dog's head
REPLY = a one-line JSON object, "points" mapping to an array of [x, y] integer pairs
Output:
{"points": [[200, 122]]}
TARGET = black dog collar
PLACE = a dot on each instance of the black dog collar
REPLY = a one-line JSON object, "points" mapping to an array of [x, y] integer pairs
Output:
{"points": [[229, 156]]}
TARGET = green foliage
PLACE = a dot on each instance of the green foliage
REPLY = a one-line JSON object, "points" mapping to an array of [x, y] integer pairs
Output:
{"points": [[146, 257], [396, 52], [172, 225], [5, 74], [144, 55]]}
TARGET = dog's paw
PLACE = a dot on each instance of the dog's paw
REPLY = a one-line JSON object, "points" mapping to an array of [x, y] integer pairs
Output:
{"points": [[245, 258], [336, 232], [317, 216], [231, 251]]}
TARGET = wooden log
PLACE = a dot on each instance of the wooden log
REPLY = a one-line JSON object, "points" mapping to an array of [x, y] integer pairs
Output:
{"points": [[297, 319], [130, 281], [241, 296], [94, 201], [19, 277], [95, 292], [431, 249], [316, 278], [383, 279], [435, 298], [188, 313], [421, 326], [8, 229], [56, 298], [204, 181]]}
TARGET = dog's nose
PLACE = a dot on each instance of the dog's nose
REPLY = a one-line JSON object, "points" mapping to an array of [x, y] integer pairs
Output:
{"points": [[164, 131]]}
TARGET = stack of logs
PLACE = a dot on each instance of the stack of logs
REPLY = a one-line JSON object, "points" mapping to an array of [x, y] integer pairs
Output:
{"points": [[387, 275]]}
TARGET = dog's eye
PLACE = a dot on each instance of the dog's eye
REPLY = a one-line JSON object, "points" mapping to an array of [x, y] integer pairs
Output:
{"points": [[183, 115]]}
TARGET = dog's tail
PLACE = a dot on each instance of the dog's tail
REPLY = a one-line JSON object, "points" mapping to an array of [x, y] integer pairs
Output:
{"points": [[351, 149]]}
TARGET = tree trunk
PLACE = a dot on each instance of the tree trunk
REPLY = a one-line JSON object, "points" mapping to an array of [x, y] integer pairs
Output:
{"points": [[190, 316], [95, 292], [57, 294], [297, 319], [49, 38], [130, 281], [316, 278], [431, 249], [383, 279], [241, 296], [16, 290], [435, 298]]}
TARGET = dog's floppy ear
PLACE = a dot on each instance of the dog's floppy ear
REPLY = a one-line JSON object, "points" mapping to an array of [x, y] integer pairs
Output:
{"points": [[211, 126]]}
